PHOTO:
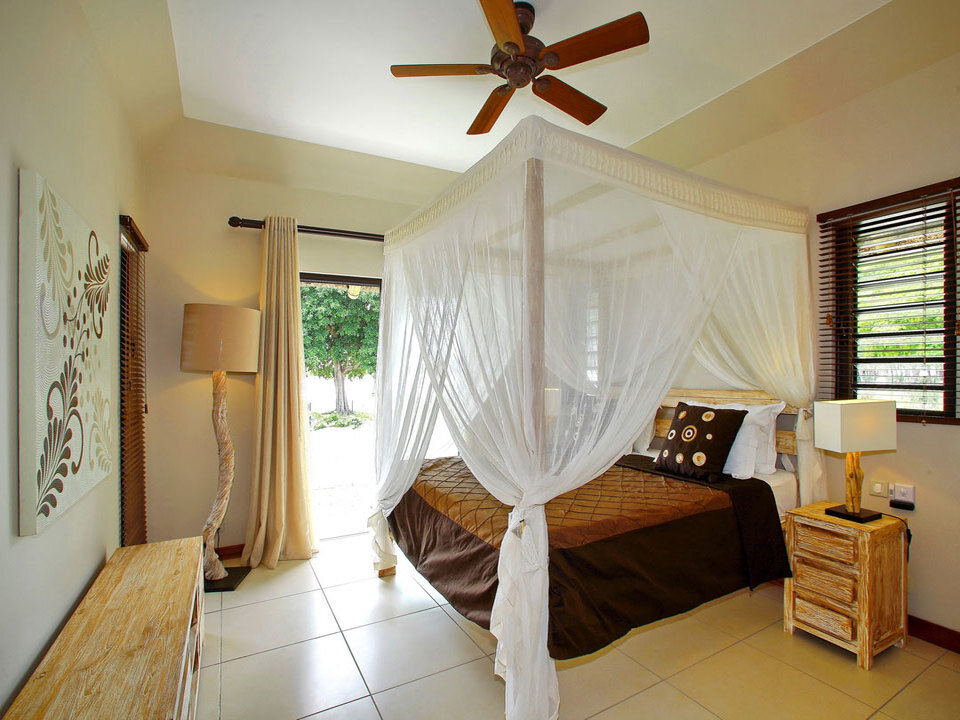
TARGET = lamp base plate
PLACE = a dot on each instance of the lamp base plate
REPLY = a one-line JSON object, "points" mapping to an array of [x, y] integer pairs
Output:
{"points": [[864, 516], [235, 576]]}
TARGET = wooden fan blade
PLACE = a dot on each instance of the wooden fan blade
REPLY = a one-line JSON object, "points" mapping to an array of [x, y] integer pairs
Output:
{"points": [[623, 34], [502, 19], [573, 102], [439, 70], [491, 110]]}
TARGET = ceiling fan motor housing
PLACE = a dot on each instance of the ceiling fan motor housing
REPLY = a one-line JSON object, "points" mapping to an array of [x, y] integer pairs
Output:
{"points": [[519, 69], [525, 16]]}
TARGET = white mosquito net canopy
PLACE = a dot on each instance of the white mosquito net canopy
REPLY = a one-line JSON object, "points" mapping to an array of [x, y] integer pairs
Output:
{"points": [[542, 306]]}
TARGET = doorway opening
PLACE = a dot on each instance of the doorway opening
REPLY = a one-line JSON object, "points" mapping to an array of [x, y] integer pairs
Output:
{"points": [[341, 317]]}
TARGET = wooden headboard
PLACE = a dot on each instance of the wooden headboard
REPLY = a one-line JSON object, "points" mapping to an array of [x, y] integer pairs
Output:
{"points": [[786, 439]]}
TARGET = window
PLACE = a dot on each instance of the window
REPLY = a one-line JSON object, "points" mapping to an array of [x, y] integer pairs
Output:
{"points": [[888, 302], [133, 384]]}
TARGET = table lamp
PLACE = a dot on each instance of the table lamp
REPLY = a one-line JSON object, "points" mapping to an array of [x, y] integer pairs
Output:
{"points": [[854, 427], [219, 339]]}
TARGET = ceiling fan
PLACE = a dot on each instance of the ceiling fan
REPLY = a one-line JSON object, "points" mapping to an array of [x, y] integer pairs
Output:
{"points": [[520, 58]]}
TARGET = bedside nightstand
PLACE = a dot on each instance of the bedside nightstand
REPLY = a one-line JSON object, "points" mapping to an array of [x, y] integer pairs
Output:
{"points": [[849, 582]]}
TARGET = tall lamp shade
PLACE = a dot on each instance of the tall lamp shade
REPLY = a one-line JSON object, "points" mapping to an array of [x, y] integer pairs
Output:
{"points": [[854, 427], [219, 339]]}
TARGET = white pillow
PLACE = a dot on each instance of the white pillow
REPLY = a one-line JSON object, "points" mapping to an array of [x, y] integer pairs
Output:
{"points": [[755, 443], [767, 451]]}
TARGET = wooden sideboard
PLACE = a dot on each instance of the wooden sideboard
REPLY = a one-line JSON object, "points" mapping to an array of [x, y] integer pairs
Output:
{"points": [[132, 647]]}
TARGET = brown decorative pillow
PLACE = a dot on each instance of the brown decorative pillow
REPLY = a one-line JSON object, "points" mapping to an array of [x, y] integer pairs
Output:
{"points": [[699, 441]]}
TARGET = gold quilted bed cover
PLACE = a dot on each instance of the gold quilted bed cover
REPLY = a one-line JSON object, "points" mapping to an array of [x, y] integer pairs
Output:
{"points": [[618, 501]]}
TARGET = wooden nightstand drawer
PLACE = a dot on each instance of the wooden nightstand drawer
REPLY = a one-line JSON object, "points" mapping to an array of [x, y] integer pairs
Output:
{"points": [[818, 579], [821, 618], [817, 541]]}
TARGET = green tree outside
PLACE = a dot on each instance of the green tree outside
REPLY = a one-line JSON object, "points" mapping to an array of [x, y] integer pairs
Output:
{"points": [[340, 335]]}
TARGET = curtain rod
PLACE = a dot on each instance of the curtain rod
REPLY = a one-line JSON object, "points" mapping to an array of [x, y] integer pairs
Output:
{"points": [[308, 229]]}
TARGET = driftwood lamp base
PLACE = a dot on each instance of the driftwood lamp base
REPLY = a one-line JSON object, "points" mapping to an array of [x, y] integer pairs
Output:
{"points": [[228, 582], [851, 509], [213, 569]]}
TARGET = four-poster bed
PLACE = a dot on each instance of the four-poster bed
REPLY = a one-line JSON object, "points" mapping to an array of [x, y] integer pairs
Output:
{"points": [[632, 546], [541, 308]]}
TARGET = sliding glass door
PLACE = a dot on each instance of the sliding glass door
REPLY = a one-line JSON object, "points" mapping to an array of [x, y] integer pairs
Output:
{"points": [[341, 317]]}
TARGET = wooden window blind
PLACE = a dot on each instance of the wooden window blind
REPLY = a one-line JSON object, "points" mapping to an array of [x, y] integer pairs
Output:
{"points": [[888, 302], [133, 384]]}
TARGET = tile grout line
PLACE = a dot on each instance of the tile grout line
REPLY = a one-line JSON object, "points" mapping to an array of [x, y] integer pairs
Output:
{"points": [[667, 678], [394, 617], [281, 647], [693, 700], [620, 702], [660, 681], [664, 679], [339, 629], [841, 690], [427, 591], [938, 662], [333, 632], [424, 677], [461, 629], [937, 659], [220, 666], [344, 639], [340, 705], [703, 659], [271, 599], [904, 688], [804, 672]]}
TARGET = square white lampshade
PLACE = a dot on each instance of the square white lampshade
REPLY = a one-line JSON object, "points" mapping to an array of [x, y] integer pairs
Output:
{"points": [[220, 337], [844, 426]]}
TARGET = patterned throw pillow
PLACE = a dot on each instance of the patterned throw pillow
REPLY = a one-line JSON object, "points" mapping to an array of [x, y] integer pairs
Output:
{"points": [[699, 441]]}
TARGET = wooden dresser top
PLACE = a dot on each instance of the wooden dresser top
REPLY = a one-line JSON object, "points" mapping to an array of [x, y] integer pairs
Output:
{"points": [[120, 653], [816, 512]]}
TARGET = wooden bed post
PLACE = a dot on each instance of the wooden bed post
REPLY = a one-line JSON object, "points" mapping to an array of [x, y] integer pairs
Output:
{"points": [[533, 297]]}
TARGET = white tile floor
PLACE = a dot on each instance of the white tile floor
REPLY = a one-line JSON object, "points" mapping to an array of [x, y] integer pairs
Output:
{"points": [[325, 639]]}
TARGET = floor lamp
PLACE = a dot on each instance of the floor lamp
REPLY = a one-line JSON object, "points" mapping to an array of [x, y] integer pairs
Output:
{"points": [[219, 339]]}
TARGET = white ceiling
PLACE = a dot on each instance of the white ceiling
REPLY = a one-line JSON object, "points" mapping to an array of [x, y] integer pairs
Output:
{"points": [[318, 70]]}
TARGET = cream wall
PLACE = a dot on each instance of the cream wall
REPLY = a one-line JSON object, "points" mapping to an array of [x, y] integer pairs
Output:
{"points": [[196, 257], [900, 136], [58, 117]]}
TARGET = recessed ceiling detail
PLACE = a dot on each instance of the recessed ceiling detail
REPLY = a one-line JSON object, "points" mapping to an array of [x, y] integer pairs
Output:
{"points": [[319, 71]]}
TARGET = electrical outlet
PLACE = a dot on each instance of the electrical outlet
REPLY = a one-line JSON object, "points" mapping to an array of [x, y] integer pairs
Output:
{"points": [[879, 489], [905, 493], [903, 497]]}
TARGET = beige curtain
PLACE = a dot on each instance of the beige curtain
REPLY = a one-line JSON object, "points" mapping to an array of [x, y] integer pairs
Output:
{"points": [[278, 525]]}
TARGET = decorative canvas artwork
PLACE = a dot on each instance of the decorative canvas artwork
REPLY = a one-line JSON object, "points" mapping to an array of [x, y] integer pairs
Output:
{"points": [[69, 371]]}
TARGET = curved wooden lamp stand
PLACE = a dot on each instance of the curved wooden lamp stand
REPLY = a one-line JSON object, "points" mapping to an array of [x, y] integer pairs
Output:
{"points": [[212, 567], [851, 510], [854, 484]]}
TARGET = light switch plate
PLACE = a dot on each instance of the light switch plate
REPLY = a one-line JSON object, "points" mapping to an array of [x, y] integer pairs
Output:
{"points": [[879, 489]]}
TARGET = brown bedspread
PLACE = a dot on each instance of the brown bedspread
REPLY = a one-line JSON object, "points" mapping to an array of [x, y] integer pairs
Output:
{"points": [[620, 500], [627, 548]]}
